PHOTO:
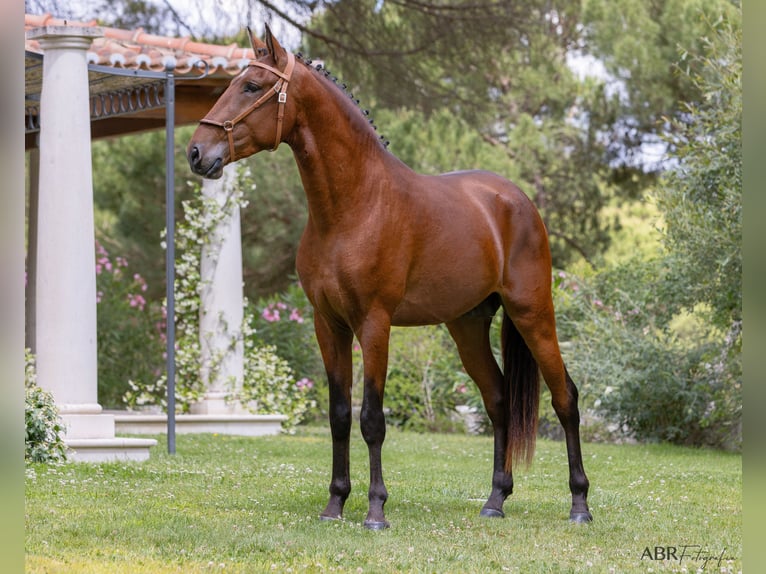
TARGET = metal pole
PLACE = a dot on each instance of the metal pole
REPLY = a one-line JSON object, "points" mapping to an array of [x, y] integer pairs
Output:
{"points": [[170, 254]]}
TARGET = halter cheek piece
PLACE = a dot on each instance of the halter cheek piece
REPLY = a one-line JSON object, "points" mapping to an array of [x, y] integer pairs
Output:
{"points": [[279, 89]]}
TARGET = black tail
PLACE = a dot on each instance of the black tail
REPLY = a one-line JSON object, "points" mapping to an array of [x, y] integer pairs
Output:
{"points": [[522, 379]]}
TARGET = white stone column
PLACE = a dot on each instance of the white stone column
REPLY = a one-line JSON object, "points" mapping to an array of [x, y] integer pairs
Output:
{"points": [[221, 301], [66, 271]]}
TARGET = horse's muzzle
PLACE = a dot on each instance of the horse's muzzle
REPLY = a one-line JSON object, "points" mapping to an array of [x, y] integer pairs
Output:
{"points": [[207, 169]]}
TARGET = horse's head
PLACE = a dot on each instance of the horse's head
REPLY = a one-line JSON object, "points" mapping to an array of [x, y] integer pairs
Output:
{"points": [[251, 115]]}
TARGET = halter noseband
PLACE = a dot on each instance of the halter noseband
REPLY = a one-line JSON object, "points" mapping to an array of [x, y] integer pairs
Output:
{"points": [[279, 89]]}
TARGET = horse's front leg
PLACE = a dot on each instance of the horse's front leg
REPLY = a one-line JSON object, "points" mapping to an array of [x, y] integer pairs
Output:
{"points": [[374, 339], [335, 345]]}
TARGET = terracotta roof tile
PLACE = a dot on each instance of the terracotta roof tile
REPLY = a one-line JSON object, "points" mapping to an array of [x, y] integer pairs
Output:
{"points": [[135, 49]]}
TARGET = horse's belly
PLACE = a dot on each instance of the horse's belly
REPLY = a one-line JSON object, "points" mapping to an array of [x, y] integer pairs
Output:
{"points": [[440, 303]]}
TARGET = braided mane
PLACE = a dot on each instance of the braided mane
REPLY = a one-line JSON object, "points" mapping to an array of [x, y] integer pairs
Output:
{"points": [[322, 70]]}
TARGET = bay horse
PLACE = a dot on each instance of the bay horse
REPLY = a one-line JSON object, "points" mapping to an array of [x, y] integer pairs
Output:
{"points": [[386, 246]]}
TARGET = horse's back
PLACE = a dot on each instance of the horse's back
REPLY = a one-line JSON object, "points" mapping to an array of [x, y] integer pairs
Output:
{"points": [[478, 182], [505, 208]]}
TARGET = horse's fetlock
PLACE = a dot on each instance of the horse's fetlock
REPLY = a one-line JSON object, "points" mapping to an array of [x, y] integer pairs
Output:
{"points": [[340, 488]]}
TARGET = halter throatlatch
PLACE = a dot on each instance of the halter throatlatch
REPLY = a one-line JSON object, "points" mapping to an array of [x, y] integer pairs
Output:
{"points": [[279, 89]]}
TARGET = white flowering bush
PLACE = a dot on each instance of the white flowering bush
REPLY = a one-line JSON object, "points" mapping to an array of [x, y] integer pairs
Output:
{"points": [[269, 385], [43, 440]]}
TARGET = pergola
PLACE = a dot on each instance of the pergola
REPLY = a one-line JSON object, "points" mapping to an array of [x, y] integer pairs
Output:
{"points": [[84, 82], [121, 104]]}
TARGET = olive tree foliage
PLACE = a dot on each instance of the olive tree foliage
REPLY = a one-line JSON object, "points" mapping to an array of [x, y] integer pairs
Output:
{"points": [[701, 196], [640, 44], [659, 340]]}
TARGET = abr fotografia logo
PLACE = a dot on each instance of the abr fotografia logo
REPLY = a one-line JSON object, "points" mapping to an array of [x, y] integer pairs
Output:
{"points": [[696, 553]]}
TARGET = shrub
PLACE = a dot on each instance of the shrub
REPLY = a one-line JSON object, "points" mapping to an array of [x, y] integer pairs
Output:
{"points": [[285, 322], [129, 328], [43, 440], [270, 387], [636, 375]]}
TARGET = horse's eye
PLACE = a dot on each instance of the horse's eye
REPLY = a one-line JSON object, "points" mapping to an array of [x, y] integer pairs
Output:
{"points": [[251, 88]]}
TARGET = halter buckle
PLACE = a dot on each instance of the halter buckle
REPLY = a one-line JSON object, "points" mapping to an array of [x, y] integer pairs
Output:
{"points": [[282, 97], [228, 125]]}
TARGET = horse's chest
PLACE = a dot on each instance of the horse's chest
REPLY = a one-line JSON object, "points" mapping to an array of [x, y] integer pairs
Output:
{"points": [[346, 273]]}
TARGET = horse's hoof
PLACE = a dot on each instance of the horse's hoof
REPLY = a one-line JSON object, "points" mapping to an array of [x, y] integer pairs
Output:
{"points": [[376, 524], [491, 513], [580, 517]]}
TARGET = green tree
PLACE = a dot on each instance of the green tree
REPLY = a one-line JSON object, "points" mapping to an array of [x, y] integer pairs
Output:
{"points": [[656, 381], [639, 44], [701, 197]]}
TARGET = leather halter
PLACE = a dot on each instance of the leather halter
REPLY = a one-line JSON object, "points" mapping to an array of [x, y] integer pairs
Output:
{"points": [[279, 89]]}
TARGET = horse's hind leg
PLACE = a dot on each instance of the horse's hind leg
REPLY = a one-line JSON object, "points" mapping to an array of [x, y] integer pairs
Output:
{"points": [[535, 321], [471, 334]]}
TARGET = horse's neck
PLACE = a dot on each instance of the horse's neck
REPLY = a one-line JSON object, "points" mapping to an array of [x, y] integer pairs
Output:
{"points": [[340, 159]]}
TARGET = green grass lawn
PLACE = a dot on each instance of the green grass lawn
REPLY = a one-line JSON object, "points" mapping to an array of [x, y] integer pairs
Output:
{"points": [[233, 504]]}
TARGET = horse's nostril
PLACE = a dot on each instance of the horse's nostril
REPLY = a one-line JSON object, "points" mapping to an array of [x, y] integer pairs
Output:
{"points": [[194, 155]]}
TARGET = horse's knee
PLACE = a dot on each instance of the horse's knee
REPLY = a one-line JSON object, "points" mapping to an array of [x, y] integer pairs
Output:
{"points": [[373, 425], [371, 419], [340, 420]]}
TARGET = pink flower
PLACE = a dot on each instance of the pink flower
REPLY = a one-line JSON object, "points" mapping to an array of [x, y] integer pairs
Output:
{"points": [[270, 314], [462, 389], [295, 315], [136, 301], [140, 280], [305, 384]]}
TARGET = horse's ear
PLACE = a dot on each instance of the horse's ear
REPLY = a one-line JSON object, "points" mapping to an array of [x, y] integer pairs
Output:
{"points": [[256, 43], [277, 52]]}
